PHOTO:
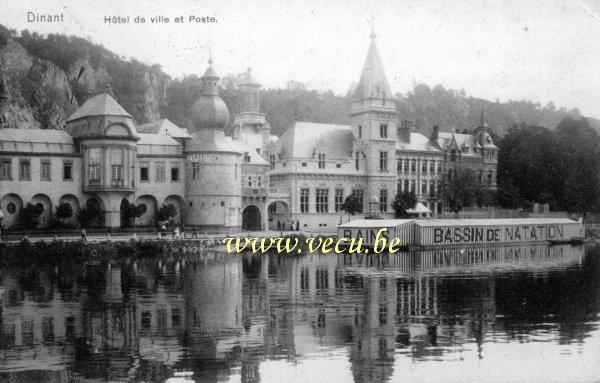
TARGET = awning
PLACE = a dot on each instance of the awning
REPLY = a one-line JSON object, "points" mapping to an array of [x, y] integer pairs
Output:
{"points": [[419, 208]]}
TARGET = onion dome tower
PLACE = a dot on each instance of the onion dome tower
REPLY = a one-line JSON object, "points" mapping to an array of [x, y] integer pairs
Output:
{"points": [[209, 111], [213, 189]]}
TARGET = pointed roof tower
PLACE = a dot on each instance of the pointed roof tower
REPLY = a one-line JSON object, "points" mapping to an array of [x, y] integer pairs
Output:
{"points": [[373, 82]]}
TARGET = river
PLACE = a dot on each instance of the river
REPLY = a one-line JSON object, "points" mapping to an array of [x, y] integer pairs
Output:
{"points": [[518, 314]]}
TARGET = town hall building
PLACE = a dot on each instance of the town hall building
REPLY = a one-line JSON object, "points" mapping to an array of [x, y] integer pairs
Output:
{"points": [[227, 174]]}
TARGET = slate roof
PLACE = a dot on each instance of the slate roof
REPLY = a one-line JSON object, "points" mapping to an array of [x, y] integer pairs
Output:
{"points": [[418, 142], [367, 223], [373, 82], [491, 222], [36, 140], [300, 140], [50, 136], [99, 105], [163, 127], [156, 139]]}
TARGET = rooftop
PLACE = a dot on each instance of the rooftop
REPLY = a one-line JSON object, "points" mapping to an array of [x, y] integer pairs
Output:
{"points": [[99, 105], [300, 140]]}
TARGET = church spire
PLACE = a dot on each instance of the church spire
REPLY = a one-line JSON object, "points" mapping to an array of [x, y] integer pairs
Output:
{"points": [[373, 82]]}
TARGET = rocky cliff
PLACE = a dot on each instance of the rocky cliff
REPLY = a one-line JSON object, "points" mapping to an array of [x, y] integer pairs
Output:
{"points": [[39, 94]]}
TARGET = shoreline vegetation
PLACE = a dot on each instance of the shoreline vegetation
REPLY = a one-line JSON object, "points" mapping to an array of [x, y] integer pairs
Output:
{"points": [[42, 252]]}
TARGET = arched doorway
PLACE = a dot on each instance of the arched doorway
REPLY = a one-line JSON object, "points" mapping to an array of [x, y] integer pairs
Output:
{"points": [[125, 217], [11, 206], [279, 214], [74, 202], [93, 216], [42, 203], [149, 207], [177, 202], [251, 218]]}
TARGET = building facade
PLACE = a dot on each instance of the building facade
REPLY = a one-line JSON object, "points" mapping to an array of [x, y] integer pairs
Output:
{"points": [[231, 173], [314, 167]]}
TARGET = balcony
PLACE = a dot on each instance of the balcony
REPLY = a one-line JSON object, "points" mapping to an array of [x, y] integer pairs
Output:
{"points": [[95, 185]]}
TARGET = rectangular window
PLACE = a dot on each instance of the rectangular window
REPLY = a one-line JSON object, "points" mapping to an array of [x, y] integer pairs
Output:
{"points": [[45, 167], [160, 171], [195, 170], [383, 161], [357, 160], [439, 166], [399, 165], [6, 168], [413, 165], [339, 199], [67, 171], [424, 188], [94, 166], [432, 190], [383, 200], [322, 197], [175, 171], [383, 130], [272, 159], [405, 186], [412, 186], [424, 166], [321, 160], [360, 194], [406, 165], [250, 181], [116, 167], [431, 166], [116, 175], [116, 156], [144, 171], [24, 170], [304, 194]]}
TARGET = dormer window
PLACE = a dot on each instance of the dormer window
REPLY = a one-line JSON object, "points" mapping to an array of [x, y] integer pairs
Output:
{"points": [[246, 157], [321, 160]]}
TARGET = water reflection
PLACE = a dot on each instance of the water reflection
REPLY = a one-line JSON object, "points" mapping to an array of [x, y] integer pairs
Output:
{"points": [[214, 317]]}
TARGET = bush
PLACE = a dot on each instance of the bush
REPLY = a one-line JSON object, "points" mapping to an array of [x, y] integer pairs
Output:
{"points": [[29, 217]]}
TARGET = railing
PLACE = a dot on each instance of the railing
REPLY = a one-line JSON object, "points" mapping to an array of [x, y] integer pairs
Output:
{"points": [[116, 183]]}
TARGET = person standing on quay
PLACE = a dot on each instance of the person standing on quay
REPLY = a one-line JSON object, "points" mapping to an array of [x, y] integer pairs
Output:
{"points": [[83, 234]]}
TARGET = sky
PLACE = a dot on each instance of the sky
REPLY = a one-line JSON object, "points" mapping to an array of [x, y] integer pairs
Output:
{"points": [[536, 50]]}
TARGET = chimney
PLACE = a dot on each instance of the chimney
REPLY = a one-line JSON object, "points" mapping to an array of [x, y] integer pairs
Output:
{"points": [[435, 134], [405, 130]]}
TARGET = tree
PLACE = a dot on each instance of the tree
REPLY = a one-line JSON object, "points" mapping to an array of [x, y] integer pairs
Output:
{"points": [[166, 213], [130, 212], [89, 214], [460, 188], [404, 201], [29, 216], [64, 211], [352, 205]]}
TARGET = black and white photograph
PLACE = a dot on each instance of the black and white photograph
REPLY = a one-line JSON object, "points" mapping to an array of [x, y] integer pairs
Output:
{"points": [[299, 191]]}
